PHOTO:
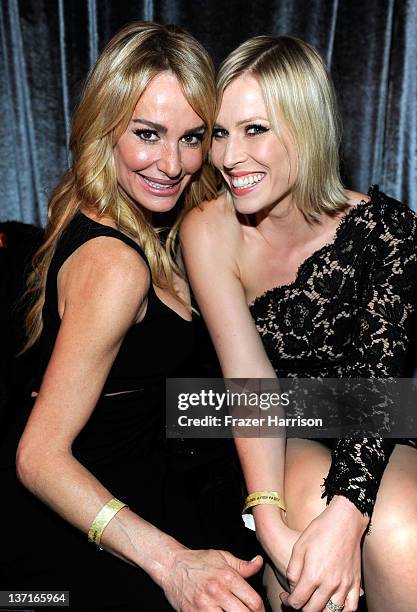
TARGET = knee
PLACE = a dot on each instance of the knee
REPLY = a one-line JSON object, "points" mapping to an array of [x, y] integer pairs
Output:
{"points": [[393, 533]]}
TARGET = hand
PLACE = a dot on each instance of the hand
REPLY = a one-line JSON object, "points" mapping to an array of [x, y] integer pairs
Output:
{"points": [[326, 560], [276, 538], [211, 581], [279, 550]]}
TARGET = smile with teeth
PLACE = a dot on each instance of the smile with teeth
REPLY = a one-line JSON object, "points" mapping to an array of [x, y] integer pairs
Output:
{"points": [[160, 186], [239, 182]]}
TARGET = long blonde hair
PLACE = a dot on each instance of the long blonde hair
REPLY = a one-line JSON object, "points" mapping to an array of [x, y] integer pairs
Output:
{"points": [[295, 83], [133, 57]]}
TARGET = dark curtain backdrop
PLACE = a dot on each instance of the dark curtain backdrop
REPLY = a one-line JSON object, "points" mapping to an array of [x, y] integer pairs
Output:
{"points": [[48, 46]]}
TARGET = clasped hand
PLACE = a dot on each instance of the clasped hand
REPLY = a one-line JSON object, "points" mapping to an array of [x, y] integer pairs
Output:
{"points": [[211, 581], [325, 561]]}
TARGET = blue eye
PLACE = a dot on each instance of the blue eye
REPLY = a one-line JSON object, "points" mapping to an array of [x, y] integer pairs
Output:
{"points": [[255, 128], [147, 135], [219, 133]]}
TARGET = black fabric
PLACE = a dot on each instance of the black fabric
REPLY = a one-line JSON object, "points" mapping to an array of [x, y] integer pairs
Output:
{"points": [[48, 47], [349, 314], [130, 371], [20, 243], [123, 445]]}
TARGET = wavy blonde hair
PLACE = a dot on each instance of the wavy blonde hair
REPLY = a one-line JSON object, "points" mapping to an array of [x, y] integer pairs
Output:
{"points": [[133, 57], [296, 86]]}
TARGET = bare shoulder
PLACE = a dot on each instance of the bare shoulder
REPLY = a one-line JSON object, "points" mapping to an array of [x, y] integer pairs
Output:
{"points": [[215, 221], [104, 267]]}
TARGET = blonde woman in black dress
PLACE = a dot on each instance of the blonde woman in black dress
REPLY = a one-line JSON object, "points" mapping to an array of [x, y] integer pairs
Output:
{"points": [[113, 315], [297, 276]]}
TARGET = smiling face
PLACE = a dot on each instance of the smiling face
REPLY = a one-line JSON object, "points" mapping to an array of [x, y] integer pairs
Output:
{"points": [[161, 148], [258, 167]]}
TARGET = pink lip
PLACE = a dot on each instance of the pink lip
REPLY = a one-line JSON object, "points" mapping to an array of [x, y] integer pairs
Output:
{"points": [[162, 193], [243, 173], [241, 191]]}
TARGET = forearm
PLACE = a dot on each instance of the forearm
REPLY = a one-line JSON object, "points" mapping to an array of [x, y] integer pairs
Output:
{"points": [[262, 461], [66, 486], [356, 471]]}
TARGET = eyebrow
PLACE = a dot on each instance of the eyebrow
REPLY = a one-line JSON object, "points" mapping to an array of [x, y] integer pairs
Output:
{"points": [[243, 121], [163, 130]]}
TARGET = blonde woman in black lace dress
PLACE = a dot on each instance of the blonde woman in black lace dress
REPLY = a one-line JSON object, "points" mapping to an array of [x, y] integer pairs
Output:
{"points": [[300, 277]]}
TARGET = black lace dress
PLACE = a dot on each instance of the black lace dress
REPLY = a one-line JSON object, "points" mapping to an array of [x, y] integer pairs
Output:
{"points": [[349, 313]]}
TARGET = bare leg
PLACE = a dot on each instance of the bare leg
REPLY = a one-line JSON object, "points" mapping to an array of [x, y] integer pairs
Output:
{"points": [[390, 550], [307, 463]]}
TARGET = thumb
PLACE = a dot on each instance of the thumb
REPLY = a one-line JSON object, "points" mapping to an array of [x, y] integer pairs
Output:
{"points": [[244, 568]]}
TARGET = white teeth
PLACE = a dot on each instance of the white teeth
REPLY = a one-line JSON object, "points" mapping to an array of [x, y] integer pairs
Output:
{"points": [[156, 185], [244, 181]]}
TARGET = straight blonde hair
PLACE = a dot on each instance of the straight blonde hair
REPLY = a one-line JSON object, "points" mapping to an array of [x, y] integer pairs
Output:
{"points": [[296, 86], [133, 57]]}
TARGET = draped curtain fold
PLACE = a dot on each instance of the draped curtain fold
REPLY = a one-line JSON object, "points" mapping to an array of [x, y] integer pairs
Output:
{"points": [[48, 46]]}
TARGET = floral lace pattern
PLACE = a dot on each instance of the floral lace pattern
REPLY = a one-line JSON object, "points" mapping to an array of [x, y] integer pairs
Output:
{"points": [[349, 314]]}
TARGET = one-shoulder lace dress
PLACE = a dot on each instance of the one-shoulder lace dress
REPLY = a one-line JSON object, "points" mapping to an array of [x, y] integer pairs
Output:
{"points": [[349, 313]]}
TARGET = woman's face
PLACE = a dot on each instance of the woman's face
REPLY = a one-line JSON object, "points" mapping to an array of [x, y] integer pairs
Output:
{"points": [[161, 149], [258, 167]]}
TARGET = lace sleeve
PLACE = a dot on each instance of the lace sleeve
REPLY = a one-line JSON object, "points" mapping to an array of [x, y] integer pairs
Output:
{"points": [[379, 349]]}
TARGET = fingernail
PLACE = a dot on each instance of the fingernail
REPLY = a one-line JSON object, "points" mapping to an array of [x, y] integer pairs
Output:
{"points": [[254, 559], [361, 592]]}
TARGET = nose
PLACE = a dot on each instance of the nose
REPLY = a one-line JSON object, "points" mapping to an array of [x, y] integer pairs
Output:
{"points": [[170, 161], [234, 152]]}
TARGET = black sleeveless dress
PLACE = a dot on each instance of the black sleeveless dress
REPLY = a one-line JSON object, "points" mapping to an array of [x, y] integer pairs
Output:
{"points": [[123, 445]]}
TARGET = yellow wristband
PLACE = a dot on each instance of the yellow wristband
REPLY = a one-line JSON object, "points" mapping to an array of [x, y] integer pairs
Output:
{"points": [[102, 519], [264, 497]]}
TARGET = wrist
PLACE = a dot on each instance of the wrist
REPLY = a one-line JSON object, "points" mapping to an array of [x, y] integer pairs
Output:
{"points": [[347, 511], [268, 520], [145, 545], [275, 537], [162, 563]]}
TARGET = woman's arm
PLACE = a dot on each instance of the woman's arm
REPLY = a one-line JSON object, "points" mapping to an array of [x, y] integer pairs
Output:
{"points": [[210, 241], [102, 292], [379, 349]]}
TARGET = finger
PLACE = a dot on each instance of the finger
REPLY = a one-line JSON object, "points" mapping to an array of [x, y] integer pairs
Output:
{"points": [[352, 599], [337, 599], [229, 603], [281, 578], [244, 568], [294, 569], [220, 602], [314, 604], [319, 600], [284, 597], [234, 594], [301, 594], [247, 596], [202, 606], [233, 579]]}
